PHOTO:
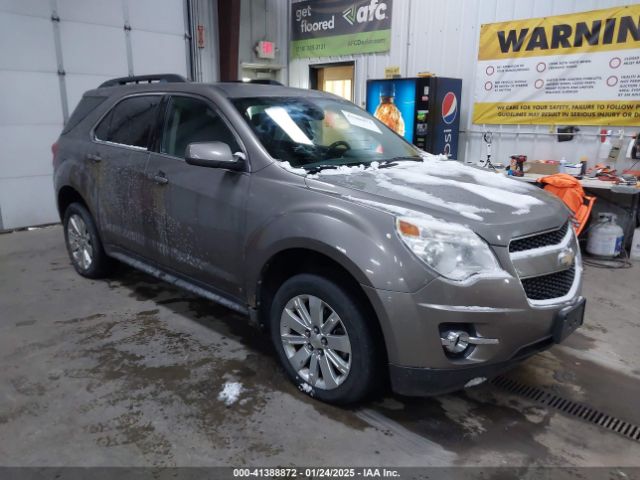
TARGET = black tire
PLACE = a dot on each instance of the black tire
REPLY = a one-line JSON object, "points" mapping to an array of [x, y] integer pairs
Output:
{"points": [[366, 369], [100, 265]]}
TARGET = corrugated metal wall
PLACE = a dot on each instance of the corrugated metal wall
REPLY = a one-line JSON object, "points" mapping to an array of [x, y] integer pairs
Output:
{"points": [[441, 36], [205, 67]]}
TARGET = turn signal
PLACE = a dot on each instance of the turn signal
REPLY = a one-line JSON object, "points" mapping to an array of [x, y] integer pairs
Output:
{"points": [[408, 229]]}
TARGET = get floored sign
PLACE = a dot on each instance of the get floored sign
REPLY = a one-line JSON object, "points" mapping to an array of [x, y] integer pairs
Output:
{"points": [[577, 69], [323, 28]]}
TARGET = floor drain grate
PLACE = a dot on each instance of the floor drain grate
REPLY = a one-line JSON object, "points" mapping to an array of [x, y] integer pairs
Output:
{"points": [[570, 407]]}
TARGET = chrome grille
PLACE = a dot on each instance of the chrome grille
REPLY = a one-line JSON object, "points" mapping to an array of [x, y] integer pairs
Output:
{"points": [[554, 285], [537, 241]]}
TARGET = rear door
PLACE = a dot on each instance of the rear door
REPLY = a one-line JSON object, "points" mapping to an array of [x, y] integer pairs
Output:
{"points": [[203, 208], [119, 152]]}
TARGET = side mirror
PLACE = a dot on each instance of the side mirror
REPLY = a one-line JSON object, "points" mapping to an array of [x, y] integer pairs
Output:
{"points": [[213, 155]]}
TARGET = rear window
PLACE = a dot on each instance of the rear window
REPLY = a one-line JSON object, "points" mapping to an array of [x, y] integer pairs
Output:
{"points": [[84, 108], [130, 122]]}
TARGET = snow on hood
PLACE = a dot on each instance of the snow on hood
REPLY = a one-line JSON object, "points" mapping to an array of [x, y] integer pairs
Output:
{"points": [[494, 187], [422, 219], [437, 173], [469, 211]]}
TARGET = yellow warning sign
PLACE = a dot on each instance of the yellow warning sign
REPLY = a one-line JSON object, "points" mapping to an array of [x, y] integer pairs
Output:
{"points": [[580, 69]]}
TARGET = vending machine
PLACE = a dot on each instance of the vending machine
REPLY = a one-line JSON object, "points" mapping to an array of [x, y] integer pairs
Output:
{"points": [[424, 110]]}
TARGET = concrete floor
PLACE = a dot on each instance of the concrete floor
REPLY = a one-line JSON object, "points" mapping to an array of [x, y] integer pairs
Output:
{"points": [[127, 371]]}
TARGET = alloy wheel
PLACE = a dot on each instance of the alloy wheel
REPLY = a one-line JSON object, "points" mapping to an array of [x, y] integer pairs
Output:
{"points": [[79, 242], [315, 341]]}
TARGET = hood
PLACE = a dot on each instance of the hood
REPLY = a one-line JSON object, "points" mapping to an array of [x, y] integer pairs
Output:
{"points": [[496, 207]]}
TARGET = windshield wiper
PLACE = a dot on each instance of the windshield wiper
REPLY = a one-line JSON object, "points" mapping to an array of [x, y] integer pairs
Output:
{"points": [[317, 168], [327, 166], [394, 161]]}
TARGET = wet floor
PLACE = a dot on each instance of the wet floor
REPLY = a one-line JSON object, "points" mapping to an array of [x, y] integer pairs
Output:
{"points": [[128, 371]]}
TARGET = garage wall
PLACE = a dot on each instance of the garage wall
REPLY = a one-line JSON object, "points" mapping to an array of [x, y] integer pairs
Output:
{"points": [[89, 44], [442, 37], [263, 20], [205, 59]]}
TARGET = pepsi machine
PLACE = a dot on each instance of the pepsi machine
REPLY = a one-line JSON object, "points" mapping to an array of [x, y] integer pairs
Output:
{"points": [[424, 110]]}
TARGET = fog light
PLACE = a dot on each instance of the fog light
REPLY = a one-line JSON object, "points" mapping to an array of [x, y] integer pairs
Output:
{"points": [[455, 341]]}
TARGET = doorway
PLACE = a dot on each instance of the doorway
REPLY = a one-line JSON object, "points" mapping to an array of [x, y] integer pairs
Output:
{"points": [[336, 78]]}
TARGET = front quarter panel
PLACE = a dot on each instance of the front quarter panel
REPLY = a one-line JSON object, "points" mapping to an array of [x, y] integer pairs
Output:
{"points": [[283, 214]]}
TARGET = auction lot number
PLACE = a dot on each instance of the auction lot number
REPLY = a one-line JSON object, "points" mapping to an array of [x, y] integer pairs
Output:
{"points": [[318, 472]]}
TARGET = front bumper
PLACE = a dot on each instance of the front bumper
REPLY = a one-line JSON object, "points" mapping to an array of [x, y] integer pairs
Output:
{"points": [[430, 381], [412, 381], [494, 308]]}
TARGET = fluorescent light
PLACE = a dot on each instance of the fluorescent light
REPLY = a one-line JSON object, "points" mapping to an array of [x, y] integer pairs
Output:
{"points": [[284, 121]]}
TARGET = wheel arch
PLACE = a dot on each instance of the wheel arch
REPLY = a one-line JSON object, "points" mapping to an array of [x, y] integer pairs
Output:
{"points": [[288, 262], [68, 195]]}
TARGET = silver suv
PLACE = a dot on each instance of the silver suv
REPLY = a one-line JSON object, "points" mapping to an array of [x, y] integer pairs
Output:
{"points": [[365, 258]]}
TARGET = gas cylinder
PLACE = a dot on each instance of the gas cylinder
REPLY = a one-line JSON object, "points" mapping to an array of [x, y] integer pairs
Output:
{"points": [[605, 237], [635, 245]]}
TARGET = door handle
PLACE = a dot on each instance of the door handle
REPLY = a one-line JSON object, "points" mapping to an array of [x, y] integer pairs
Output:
{"points": [[94, 157], [160, 179]]}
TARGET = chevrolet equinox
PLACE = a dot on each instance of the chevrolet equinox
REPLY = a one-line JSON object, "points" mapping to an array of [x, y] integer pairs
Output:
{"points": [[367, 260]]}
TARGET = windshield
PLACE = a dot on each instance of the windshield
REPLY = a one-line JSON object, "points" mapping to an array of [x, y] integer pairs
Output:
{"points": [[321, 132]]}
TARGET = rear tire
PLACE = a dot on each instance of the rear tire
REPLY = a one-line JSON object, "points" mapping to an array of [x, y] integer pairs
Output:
{"points": [[83, 243], [324, 341]]}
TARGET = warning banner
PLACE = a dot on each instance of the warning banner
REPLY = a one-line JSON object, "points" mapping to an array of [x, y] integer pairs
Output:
{"points": [[577, 69]]}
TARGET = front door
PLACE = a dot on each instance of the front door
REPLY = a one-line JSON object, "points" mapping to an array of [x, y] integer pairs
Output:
{"points": [[120, 153], [203, 209]]}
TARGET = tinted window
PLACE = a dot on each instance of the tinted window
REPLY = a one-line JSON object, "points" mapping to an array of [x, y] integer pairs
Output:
{"points": [[190, 120], [84, 108], [130, 122]]}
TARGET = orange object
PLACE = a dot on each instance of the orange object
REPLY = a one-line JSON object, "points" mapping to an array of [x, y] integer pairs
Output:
{"points": [[570, 191], [409, 229], [602, 169]]}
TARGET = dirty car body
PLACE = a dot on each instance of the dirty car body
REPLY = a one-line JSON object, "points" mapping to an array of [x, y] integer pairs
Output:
{"points": [[454, 273]]}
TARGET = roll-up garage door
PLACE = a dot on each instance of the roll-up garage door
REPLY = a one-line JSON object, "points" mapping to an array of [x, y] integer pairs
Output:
{"points": [[51, 52]]}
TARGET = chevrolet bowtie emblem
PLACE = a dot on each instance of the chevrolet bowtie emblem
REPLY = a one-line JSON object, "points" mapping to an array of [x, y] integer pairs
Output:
{"points": [[566, 257]]}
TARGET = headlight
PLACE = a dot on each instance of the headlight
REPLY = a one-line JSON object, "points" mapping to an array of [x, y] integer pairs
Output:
{"points": [[452, 250]]}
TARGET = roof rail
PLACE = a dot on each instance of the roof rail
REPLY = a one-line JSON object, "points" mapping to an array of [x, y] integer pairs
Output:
{"points": [[159, 78], [265, 81], [260, 81]]}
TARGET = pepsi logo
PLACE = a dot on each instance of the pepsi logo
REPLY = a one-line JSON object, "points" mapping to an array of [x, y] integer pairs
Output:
{"points": [[449, 108]]}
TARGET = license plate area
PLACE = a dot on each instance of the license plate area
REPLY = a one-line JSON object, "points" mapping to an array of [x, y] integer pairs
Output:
{"points": [[568, 320]]}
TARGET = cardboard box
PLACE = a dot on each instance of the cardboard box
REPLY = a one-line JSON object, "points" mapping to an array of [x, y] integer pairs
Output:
{"points": [[541, 168]]}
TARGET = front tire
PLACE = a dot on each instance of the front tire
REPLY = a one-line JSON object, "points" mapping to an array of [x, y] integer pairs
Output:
{"points": [[83, 243], [323, 339]]}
